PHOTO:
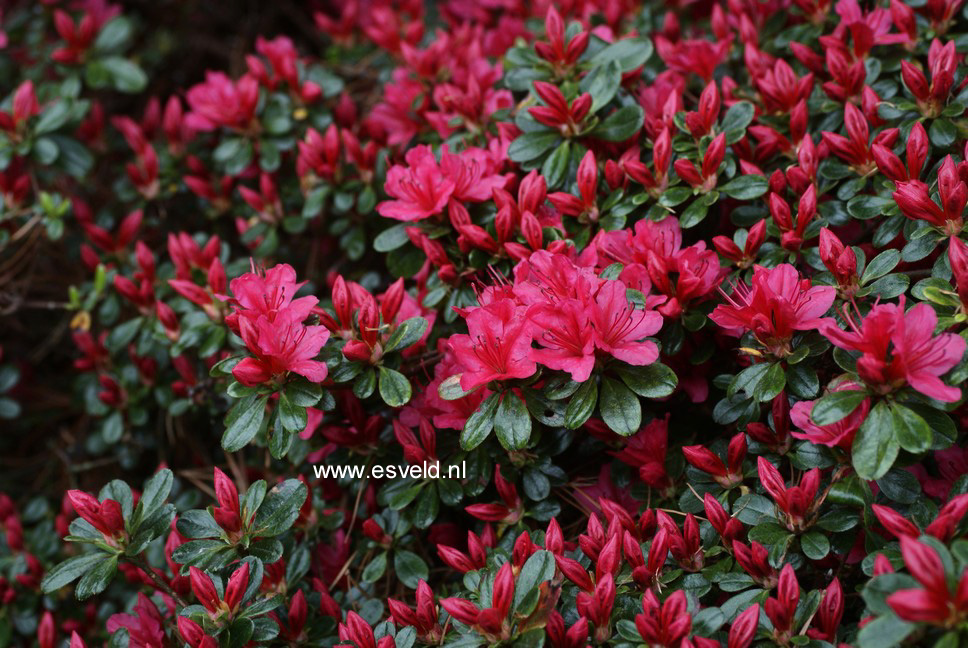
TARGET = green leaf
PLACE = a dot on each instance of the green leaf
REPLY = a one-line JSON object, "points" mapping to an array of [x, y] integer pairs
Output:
{"points": [[556, 165], [304, 393], [942, 133], [739, 116], [913, 432], [629, 53], [866, 206], [53, 117], [652, 381], [884, 632], [97, 579], [696, 212], [409, 568], [602, 83], [620, 408], [375, 569], [531, 146], [880, 265], [243, 422], [155, 491], [280, 508], [235, 154], [450, 388], [122, 335], [620, 125], [512, 423], [815, 545], [581, 405], [875, 446], [771, 384], [70, 570], [407, 334], [125, 75], [113, 36], [291, 416], [239, 633], [395, 389], [480, 423], [836, 406], [197, 523], [537, 569], [746, 187], [391, 238]]}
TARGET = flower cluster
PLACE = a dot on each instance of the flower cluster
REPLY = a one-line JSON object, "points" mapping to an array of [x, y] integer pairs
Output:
{"points": [[586, 323]]}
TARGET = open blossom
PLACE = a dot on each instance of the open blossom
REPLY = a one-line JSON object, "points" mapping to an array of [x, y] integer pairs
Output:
{"points": [[421, 189], [219, 101], [280, 346], [270, 322], [900, 349], [498, 346], [778, 304], [619, 326], [266, 294], [562, 329]]}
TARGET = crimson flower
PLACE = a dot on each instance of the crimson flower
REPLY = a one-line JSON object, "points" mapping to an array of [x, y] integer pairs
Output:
{"points": [[796, 503], [914, 199], [146, 627], [424, 618], [619, 327], [727, 474], [704, 180], [562, 329], [900, 349], [557, 50], [782, 608], [104, 516], [207, 595], [281, 346], [958, 259], [492, 621], [855, 149], [934, 601], [221, 102], [421, 189], [841, 261], [558, 113], [665, 624], [778, 304], [498, 346]]}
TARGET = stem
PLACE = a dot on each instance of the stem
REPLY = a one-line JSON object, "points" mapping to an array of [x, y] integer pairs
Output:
{"points": [[142, 564]]}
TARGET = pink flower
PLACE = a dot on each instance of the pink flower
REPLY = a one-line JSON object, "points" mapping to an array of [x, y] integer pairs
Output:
{"points": [[421, 189], [620, 327], [472, 173], [839, 434], [266, 294], [901, 349], [498, 346], [281, 345], [778, 303], [564, 332], [221, 102]]}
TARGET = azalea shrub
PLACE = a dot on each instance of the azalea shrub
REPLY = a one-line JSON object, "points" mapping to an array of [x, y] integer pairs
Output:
{"points": [[393, 324]]}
